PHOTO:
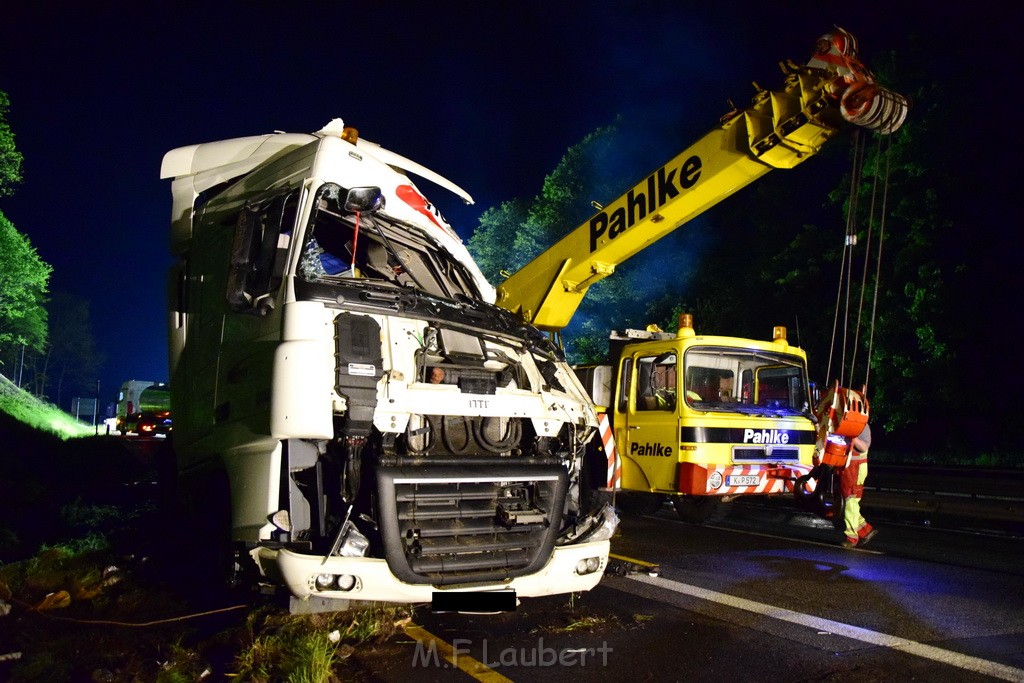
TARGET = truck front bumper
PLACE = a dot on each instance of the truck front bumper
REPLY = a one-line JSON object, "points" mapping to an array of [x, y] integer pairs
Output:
{"points": [[371, 579], [738, 480]]}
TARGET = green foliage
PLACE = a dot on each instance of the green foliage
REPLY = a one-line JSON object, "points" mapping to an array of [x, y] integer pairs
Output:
{"points": [[306, 648], [503, 241], [595, 171], [24, 278], [510, 235], [10, 157], [924, 275], [94, 522], [588, 172], [39, 414], [46, 667], [77, 570], [91, 586], [183, 665]]}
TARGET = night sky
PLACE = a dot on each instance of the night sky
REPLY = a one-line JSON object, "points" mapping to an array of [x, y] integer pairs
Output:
{"points": [[489, 94]]}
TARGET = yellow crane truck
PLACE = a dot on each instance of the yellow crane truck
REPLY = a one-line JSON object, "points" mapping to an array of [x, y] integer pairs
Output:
{"points": [[703, 418]]}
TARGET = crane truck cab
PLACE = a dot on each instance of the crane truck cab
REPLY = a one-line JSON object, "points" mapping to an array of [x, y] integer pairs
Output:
{"points": [[702, 419], [315, 295]]}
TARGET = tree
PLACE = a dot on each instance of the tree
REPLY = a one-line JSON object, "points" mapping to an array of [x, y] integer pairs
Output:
{"points": [[69, 363], [24, 277], [510, 235], [596, 170], [934, 343], [504, 240], [932, 305], [10, 157]]}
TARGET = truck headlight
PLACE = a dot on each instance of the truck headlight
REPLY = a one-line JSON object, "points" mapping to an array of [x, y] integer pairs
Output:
{"points": [[324, 582], [335, 582], [588, 566]]}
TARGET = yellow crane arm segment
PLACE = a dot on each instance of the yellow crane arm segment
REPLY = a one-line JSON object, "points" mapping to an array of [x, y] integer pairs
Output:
{"points": [[779, 130]]}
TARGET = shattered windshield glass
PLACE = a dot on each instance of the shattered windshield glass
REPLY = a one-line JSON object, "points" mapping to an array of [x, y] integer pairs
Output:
{"points": [[745, 381], [341, 245]]}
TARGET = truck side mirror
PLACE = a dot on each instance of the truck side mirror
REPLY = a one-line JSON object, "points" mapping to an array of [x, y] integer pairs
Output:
{"points": [[364, 199]]}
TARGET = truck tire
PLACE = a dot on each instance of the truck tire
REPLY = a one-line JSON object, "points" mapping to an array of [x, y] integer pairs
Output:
{"points": [[202, 524], [166, 482], [695, 509]]}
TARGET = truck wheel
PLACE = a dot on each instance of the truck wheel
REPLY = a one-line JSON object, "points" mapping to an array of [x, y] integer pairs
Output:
{"points": [[203, 525], [695, 509], [166, 482]]}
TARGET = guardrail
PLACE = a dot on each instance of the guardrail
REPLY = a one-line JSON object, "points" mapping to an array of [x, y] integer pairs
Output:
{"points": [[973, 493]]}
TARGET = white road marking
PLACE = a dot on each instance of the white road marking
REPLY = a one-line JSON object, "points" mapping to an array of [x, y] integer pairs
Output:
{"points": [[791, 538], [976, 664]]}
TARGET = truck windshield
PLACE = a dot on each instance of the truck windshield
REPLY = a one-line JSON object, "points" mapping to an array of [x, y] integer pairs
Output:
{"points": [[379, 249], [745, 381]]}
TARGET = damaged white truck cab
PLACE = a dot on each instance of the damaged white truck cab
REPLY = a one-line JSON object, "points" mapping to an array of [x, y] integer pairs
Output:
{"points": [[347, 398]]}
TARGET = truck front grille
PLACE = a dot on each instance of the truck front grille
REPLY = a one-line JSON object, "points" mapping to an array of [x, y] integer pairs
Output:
{"points": [[762, 454], [445, 524]]}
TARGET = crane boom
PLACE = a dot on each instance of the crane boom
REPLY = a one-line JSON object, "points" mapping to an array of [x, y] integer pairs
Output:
{"points": [[780, 129]]}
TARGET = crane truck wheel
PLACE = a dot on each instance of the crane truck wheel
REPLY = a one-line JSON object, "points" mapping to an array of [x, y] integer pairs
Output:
{"points": [[695, 509]]}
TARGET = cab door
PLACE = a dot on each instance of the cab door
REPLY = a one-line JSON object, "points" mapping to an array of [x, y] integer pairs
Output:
{"points": [[651, 417]]}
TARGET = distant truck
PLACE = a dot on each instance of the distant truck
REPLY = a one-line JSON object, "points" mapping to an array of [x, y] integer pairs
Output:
{"points": [[144, 408]]}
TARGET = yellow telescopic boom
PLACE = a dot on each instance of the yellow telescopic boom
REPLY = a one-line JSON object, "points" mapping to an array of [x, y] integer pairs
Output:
{"points": [[780, 129]]}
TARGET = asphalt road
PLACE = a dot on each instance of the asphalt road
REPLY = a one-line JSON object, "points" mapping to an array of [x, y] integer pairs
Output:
{"points": [[758, 594], [762, 592]]}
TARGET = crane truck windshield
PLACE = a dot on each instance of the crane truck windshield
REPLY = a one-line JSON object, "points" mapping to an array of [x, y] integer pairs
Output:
{"points": [[341, 244], [742, 381]]}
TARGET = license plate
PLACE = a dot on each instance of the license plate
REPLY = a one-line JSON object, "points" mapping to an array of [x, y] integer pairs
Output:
{"points": [[480, 602], [742, 480]]}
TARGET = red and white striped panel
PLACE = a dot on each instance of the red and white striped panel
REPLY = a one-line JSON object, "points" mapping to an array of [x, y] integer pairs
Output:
{"points": [[770, 479], [614, 480]]}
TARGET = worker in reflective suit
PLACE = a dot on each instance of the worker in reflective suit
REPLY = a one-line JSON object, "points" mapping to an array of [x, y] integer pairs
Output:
{"points": [[851, 486]]}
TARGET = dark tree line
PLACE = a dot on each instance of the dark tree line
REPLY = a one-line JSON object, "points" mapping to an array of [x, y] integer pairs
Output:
{"points": [[23, 275], [772, 255], [46, 343]]}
